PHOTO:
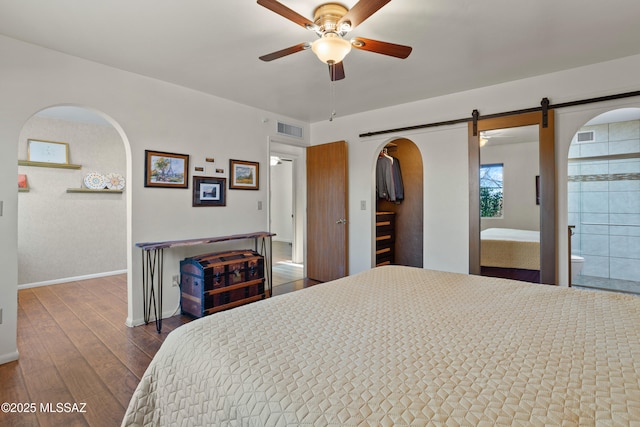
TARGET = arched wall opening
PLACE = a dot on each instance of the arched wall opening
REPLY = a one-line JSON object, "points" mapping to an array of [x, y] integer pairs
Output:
{"points": [[65, 232], [603, 201], [399, 204]]}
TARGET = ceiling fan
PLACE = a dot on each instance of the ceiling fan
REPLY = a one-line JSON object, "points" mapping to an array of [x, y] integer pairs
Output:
{"points": [[331, 22]]}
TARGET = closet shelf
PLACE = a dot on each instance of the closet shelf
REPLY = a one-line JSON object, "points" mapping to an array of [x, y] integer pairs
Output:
{"points": [[48, 165], [89, 190]]}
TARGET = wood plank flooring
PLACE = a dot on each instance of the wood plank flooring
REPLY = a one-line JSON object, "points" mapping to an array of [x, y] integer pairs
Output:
{"points": [[75, 348]]}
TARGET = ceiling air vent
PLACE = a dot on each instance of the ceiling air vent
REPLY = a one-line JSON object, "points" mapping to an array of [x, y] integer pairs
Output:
{"points": [[289, 130], [585, 136]]}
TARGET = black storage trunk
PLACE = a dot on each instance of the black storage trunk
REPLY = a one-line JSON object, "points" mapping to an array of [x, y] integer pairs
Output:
{"points": [[222, 280]]}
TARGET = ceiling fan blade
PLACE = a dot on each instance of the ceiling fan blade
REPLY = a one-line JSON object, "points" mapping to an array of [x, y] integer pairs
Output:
{"points": [[284, 52], [284, 11], [336, 71], [361, 11], [384, 48]]}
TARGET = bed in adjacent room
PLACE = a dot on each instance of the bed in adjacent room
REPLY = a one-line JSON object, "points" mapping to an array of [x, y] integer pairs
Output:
{"points": [[403, 346], [510, 253]]}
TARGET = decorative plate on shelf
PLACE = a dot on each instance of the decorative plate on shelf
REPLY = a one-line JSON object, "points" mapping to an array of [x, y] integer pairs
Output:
{"points": [[114, 181], [94, 181]]}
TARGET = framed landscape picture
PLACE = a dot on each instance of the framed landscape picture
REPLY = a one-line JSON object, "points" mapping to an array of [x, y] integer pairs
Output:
{"points": [[168, 170], [209, 191], [244, 175]]}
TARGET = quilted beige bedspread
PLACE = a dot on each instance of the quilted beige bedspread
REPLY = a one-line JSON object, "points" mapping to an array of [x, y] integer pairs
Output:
{"points": [[510, 248], [401, 346]]}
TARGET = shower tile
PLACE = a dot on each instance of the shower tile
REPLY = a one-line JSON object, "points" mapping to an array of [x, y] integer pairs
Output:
{"points": [[595, 202], [596, 266], [594, 223], [576, 247], [594, 149], [574, 202], [574, 187], [624, 130], [625, 269], [628, 225], [624, 202], [626, 185], [591, 186], [573, 218], [594, 168], [624, 147], [574, 151], [625, 247], [624, 166], [595, 244]]}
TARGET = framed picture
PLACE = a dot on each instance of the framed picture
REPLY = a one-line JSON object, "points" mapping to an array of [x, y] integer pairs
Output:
{"points": [[168, 170], [23, 185], [209, 191], [537, 189], [47, 151], [244, 175]]}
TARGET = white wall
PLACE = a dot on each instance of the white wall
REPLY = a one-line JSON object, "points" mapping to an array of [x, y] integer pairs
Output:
{"points": [[521, 165], [282, 201], [291, 150], [444, 150], [148, 114]]}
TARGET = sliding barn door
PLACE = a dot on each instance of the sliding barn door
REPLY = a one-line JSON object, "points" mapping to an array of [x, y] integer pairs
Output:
{"points": [[327, 211]]}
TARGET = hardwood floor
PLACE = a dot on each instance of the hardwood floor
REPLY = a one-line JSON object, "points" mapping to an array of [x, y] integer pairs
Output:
{"points": [[75, 349]]}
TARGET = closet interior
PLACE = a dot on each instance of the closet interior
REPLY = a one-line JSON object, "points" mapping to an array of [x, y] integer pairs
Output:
{"points": [[399, 205]]}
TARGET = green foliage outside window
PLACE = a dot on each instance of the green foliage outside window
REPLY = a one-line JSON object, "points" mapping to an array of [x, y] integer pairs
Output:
{"points": [[491, 195]]}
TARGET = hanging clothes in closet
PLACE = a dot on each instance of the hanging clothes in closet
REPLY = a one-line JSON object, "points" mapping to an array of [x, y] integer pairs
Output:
{"points": [[389, 178]]}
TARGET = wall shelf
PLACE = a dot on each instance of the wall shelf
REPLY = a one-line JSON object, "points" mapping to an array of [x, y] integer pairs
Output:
{"points": [[48, 165], [89, 190]]}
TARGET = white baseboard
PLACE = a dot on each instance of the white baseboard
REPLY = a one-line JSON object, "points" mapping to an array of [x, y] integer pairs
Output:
{"points": [[9, 357], [70, 279], [138, 322]]}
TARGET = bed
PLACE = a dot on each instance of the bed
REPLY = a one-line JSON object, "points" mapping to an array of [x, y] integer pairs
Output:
{"points": [[402, 346], [510, 253]]}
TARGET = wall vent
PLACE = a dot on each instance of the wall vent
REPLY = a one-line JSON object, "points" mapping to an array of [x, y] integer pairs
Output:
{"points": [[585, 136], [289, 130]]}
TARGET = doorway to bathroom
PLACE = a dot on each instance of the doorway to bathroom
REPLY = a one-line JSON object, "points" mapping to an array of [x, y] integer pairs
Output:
{"points": [[604, 202]]}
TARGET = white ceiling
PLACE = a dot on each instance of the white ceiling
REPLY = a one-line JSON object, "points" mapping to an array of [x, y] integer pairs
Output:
{"points": [[213, 45]]}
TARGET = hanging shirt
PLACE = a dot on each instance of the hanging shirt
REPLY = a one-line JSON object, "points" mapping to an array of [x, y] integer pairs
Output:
{"points": [[389, 184]]}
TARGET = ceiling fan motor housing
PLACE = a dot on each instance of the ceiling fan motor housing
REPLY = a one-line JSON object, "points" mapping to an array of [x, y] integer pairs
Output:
{"points": [[327, 16]]}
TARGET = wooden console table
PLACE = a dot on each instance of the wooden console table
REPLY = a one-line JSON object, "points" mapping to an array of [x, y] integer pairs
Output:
{"points": [[153, 266]]}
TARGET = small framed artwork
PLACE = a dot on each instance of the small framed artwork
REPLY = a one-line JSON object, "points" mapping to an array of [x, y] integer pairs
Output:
{"points": [[244, 175], [537, 189], [47, 151], [168, 170], [23, 185], [199, 170], [209, 191]]}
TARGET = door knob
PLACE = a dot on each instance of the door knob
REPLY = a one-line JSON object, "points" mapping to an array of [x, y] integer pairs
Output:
{"points": [[341, 221]]}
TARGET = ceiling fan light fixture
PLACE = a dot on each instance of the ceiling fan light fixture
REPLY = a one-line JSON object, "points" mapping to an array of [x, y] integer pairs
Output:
{"points": [[331, 48]]}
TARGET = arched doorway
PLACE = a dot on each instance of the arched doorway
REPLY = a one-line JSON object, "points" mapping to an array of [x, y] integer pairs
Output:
{"points": [[604, 202], [399, 217], [66, 233]]}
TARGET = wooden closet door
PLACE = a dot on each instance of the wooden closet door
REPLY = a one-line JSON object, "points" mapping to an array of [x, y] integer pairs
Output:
{"points": [[327, 211]]}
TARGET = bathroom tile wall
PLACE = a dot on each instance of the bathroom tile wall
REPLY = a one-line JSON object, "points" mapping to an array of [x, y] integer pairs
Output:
{"points": [[604, 201]]}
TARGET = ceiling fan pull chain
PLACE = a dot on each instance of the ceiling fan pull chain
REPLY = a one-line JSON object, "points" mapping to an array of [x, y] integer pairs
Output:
{"points": [[332, 99]]}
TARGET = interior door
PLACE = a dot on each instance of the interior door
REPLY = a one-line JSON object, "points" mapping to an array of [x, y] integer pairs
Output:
{"points": [[327, 211]]}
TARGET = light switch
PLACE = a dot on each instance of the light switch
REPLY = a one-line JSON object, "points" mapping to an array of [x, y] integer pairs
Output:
{"points": [[363, 205]]}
